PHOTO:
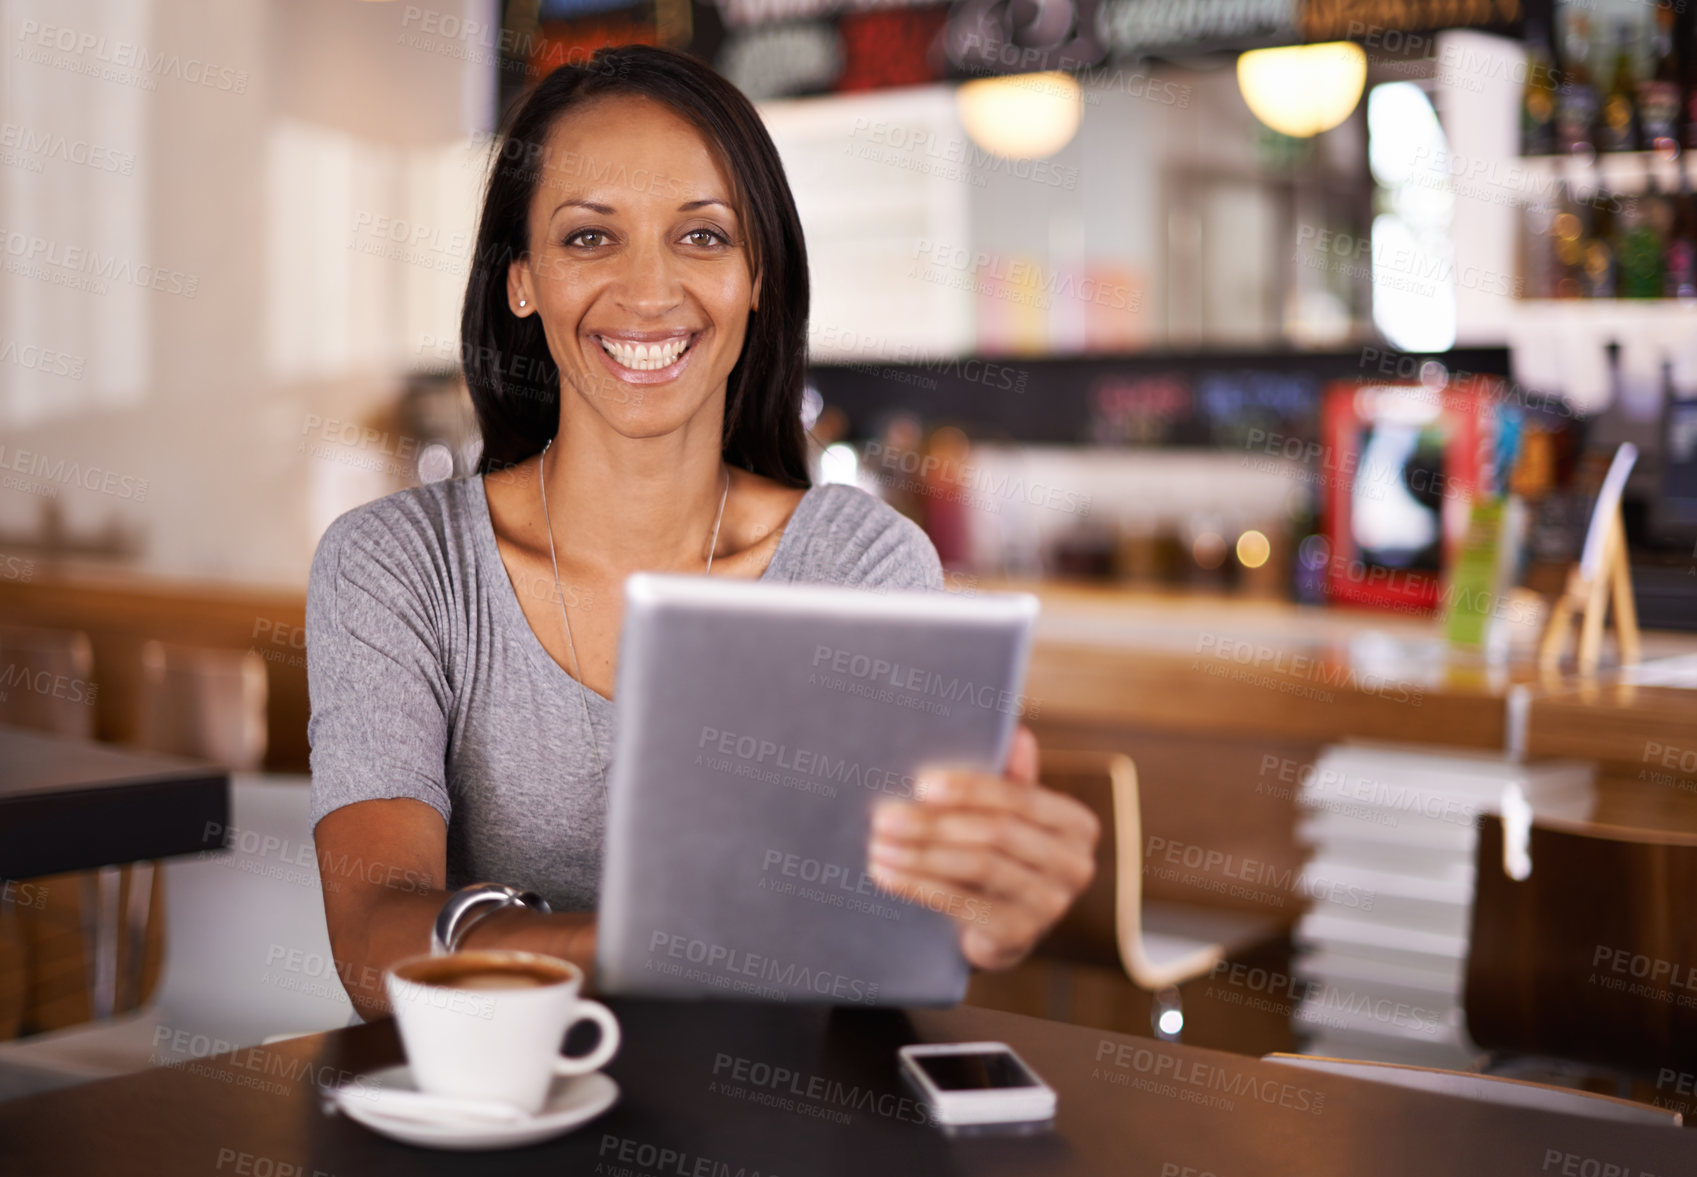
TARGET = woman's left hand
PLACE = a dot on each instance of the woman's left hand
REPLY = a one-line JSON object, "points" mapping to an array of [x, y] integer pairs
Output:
{"points": [[1004, 856]]}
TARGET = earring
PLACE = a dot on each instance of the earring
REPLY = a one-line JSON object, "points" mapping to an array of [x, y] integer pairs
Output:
{"points": [[521, 302]]}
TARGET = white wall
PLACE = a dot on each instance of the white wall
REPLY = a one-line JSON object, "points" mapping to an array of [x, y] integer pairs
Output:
{"points": [[875, 177], [921, 243], [1477, 96], [265, 191]]}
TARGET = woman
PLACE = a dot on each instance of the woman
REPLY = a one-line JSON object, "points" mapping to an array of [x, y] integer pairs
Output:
{"points": [[634, 341]]}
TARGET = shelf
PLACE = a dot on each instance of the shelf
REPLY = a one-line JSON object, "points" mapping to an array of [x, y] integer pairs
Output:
{"points": [[1625, 172], [1663, 326], [1560, 345], [1634, 313]]}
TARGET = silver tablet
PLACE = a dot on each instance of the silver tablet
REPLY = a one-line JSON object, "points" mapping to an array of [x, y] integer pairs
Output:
{"points": [[757, 726]]}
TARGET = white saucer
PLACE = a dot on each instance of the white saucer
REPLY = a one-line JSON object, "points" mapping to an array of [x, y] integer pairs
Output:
{"points": [[571, 1102]]}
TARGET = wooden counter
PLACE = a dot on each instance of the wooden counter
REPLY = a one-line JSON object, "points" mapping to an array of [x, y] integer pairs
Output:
{"points": [[1198, 664], [1225, 703], [1640, 726], [1222, 701], [1642, 719]]}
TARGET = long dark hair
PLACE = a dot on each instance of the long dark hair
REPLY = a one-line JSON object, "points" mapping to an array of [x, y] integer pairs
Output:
{"points": [[514, 383]]}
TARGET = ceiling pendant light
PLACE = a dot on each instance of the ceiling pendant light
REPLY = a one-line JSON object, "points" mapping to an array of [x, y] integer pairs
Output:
{"points": [[1302, 90], [1021, 116]]}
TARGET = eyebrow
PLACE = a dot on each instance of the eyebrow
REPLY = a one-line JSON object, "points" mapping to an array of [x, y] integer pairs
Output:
{"points": [[607, 210]]}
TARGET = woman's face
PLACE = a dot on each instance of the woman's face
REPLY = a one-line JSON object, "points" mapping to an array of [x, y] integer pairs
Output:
{"points": [[637, 267]]}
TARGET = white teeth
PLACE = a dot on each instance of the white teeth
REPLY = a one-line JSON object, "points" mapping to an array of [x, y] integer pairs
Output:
{"points": [[645, 357]]}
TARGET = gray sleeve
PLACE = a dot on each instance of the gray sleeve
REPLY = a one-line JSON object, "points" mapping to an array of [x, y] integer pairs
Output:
{"points": [[860, 541], [380, 698]]}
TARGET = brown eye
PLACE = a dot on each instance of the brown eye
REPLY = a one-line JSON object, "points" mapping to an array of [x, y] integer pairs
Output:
{"points": [[587, 239], [705, 238]]}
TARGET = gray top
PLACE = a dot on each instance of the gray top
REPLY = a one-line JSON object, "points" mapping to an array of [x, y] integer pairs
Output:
{"points": [[427, 681]]}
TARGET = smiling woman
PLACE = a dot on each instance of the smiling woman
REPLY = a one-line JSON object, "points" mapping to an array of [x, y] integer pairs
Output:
{"points": [[640, 148], [635, 334]]}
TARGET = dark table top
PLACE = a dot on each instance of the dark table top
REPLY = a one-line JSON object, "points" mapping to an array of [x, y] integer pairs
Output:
{"points": [[1128, 1107], [70, 804]]}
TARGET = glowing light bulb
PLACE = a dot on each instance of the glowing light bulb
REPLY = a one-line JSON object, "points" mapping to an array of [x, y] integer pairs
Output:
{"points": [[1021, 116], [1253, 549], [1302, 90]]}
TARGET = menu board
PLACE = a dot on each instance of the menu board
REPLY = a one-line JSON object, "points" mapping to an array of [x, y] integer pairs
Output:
{"points": [[781, 48], [1341, 20], [1152, 27]]}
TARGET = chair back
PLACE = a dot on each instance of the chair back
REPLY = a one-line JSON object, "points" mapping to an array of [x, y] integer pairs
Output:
{"points": [[1089, 932], [1488, 1089], [47, 680], [1591, 957], [205, 703], [1106, 925]]}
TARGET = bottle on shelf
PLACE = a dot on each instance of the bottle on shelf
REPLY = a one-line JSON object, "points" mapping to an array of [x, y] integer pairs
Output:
{"points": [[1567, 245], [1576, 102], [1601, 267], [1659, 206], [1689, 99], [1538, 267], [1538, 96], [1617, 127], [1640, 254], [1679, 276], [1659, 94]]}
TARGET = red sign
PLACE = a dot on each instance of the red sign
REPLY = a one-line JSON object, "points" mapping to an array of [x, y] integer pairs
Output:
{"points": [[574, 42], [894, 47]]}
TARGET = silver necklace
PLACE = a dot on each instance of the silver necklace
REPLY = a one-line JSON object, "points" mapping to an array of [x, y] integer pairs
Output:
{"points": [[560, 596]]}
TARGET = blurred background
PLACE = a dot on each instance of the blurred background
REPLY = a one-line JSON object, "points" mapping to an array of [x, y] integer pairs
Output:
{"points": [[1052, 243], [1301, 330]]}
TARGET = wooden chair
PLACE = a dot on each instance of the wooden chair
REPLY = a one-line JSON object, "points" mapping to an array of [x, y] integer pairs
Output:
{"points": [[1159, 944], [46, 940], [200, 702], [47, 680], [1489, 1089], [205, 703], [95, 944], [247, 955], [1592, 957]]}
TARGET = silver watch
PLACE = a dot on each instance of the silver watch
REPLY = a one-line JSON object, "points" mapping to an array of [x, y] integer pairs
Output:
{"points": [[470, 906]]}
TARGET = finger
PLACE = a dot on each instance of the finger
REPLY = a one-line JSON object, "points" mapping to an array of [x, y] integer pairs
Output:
{"points": [[1004, 931], [962, 904], [983, 950], [957, 788], [1022, 757], [973, 869], [1034, 846]]}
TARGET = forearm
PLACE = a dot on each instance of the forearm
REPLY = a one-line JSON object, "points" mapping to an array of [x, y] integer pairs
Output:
{"points": [[398, 924]]}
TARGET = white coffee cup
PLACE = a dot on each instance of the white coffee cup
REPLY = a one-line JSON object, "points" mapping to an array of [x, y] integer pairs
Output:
{"points": [[488, 1024]]}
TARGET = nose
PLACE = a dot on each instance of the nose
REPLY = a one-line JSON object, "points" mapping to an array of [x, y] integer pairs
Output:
{"points": [[648, 285]]}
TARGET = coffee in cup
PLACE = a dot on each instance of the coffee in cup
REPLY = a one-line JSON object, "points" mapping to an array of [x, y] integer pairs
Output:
{"points": [[469, 970], [488, 1024]]}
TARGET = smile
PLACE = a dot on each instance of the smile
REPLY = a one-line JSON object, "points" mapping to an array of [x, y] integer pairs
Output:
{"points": [[645, 357]]}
